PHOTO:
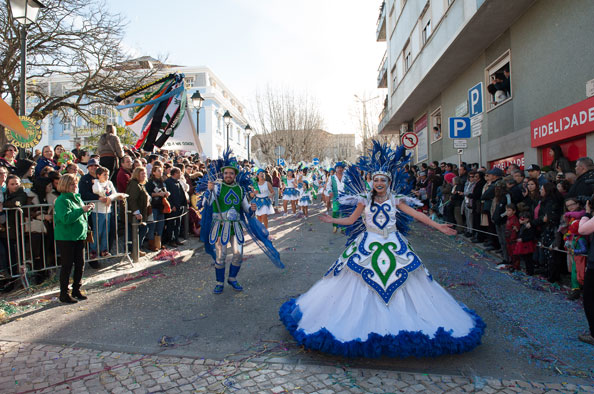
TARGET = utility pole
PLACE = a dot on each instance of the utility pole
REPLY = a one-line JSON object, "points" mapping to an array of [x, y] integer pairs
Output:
{"points": [[365, 125]]}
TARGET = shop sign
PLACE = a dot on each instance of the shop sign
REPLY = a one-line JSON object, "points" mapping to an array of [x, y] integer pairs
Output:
{"points": [[420, 129], [461, 109], [506, 162], [569, 122]]}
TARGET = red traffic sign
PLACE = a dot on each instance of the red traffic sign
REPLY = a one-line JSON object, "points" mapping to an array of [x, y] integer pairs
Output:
{"points": [[410, 140]]}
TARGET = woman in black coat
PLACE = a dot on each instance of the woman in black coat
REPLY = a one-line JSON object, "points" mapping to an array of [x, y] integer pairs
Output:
{"points": [[547, 217]]}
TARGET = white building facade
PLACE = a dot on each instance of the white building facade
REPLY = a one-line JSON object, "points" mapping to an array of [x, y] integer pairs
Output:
{"points": [[442, 55], [214, 134]]}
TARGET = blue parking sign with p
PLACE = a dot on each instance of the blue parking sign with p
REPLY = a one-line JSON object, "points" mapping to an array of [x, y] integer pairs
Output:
{"points": [[475, 99], [460, 127], [281, 162]]}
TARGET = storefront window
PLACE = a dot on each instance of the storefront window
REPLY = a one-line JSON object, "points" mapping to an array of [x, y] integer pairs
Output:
{"points": [[572, 150]]}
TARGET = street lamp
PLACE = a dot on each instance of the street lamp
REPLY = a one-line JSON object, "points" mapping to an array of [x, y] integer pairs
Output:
{"points": [[197, 101], [25, 12], [227, 118], [248, 131], [365, 126]]}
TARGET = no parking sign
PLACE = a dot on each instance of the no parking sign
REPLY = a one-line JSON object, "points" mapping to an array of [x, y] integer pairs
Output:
{"points": [[410, 140]]}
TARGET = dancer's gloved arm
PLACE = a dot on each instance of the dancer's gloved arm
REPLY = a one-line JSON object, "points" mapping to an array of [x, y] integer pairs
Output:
{"points": [[421, 217], [248, 208], [345, 221]]}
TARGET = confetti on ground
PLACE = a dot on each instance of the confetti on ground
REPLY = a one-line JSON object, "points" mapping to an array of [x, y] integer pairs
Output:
{"points": [[143, 274]]}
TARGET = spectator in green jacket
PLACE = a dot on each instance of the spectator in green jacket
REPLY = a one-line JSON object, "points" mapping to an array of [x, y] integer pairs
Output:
{"points": [[70, 218]]}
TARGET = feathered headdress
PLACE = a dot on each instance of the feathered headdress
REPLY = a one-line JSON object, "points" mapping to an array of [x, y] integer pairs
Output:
{"points": [[381, 160]]}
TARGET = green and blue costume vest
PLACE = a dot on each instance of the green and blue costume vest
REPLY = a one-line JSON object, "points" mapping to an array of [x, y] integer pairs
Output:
{"points": [[226, 209]]}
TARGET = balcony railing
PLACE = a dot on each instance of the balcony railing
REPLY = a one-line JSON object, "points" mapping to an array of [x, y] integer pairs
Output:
{"points": [[382, 77], [381, 23]]}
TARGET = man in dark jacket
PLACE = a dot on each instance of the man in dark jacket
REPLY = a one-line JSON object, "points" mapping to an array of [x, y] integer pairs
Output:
{"points": [[493, 175], [584, 169], [85, 185], [477, 192], [178, 201]]}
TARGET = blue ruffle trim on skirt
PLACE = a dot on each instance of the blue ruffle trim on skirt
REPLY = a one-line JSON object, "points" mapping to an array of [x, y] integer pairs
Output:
{"points": [[305, 199], [405, 344], [290, 191], [262, 202]]}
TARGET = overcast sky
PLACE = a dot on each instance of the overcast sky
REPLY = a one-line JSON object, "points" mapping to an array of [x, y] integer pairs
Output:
{"points": [[325, 47]]}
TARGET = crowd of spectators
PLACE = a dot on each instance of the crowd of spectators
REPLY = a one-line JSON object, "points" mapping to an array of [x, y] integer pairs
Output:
{"points": [[538, 220], [158, 188]]}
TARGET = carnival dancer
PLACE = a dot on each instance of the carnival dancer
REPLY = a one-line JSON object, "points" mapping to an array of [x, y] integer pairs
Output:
{"points": [[378, 299], [290, 192], [225, 217], [305, 198], [335, 188], [262, 192]]}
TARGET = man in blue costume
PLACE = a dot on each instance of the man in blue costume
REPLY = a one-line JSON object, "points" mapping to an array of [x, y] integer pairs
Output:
{"points": [[227, 200]]}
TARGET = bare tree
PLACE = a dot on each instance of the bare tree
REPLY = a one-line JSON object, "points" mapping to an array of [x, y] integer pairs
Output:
{"points": [[79, 40], [289, 120], [366, 112]]}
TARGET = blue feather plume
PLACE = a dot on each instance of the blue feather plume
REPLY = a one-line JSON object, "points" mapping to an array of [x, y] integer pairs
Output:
{"points": [[381, 157]]}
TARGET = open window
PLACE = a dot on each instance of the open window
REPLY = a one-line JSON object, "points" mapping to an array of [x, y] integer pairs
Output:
{"points": [[498, 82], [435, 131]]}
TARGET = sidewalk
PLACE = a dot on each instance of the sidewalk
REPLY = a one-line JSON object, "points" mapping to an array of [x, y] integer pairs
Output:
{"points": [[114, 271], [38, 368]]}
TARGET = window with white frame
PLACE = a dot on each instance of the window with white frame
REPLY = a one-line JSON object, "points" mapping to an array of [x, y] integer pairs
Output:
{"points": [[407, 56], [189, 82], [498, 81], [425, 23], [436, 134]]}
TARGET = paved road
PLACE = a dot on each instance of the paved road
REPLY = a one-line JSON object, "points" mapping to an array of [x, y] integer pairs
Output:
{"points": [[531, 329]]}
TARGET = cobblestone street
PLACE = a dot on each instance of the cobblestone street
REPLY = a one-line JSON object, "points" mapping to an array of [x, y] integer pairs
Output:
{"points": [[63, 369]]}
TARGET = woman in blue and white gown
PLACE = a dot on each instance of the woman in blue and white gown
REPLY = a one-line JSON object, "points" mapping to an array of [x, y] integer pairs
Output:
{"points": [[377, 298]]}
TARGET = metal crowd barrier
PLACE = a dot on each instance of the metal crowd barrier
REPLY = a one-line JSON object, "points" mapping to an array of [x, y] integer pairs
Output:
{"points": [[30, 247]]}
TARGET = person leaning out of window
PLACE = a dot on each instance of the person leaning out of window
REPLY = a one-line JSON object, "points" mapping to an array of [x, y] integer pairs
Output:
{"points": [[71, 224]]}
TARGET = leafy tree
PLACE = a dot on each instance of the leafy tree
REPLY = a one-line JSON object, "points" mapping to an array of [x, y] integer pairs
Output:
{"points": [[78, 45]]}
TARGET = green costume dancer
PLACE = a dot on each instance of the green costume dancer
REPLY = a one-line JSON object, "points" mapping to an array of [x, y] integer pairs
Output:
{"points": [[334, 189], [228, 200]]}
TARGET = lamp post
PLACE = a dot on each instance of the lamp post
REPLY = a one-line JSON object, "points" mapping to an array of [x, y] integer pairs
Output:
{"points": [[25, 12], [248, 131], [365, 126], [227, 118], [197, 101]]}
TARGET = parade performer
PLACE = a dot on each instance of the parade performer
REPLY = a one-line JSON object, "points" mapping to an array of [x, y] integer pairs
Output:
{"points": [[305, 198], [262, 192], [290, 192], [378, 299], [226, 215], [335, 188]]}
